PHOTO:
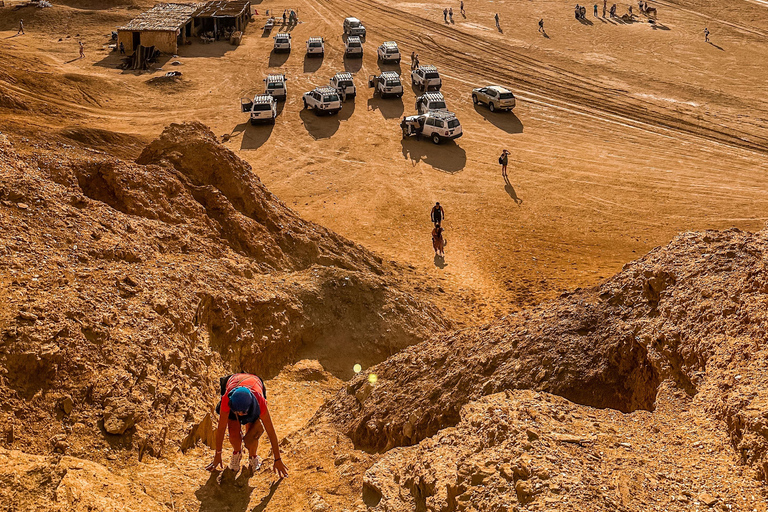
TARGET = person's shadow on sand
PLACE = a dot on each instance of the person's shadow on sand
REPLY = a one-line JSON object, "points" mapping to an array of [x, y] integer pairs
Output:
{"points": [[440, 261], [509, 189]]}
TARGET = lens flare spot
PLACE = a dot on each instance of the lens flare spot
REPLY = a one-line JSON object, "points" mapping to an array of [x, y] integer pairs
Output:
{"points": [[372, 378], [357, 368]]}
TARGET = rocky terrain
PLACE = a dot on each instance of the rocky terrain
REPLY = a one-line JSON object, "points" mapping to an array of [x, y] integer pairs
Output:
{"points": [[128, 288]]}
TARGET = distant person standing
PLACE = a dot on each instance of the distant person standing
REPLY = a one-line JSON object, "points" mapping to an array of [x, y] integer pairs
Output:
{"points": [[82, 50], [706, 35], [461, 8], [504, 160], [605, 5], [445, 15], [595, 10], [450, 14], [438, 214], [122, 48], [496, 17], [541, 25], [21, 28], [284, 17]]}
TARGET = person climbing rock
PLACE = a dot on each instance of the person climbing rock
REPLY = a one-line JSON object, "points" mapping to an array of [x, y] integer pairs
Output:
{"points": [[244, 402]]}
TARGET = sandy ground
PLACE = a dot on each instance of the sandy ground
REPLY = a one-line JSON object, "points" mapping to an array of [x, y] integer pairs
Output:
{"points": [[624, 134]]}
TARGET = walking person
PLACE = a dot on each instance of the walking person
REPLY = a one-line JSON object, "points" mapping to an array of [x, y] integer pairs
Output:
{"points": [[496, 17], [21, 28], [706, 35], [450, 14], [461, 8], [541, 25], [504, 160], [438, 242], [244, 402], [605, 4], [82, 50], [445, 15], [437, 214]]}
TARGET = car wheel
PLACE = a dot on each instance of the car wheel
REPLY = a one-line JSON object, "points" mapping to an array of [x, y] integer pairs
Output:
{"points": [[435, 138], [272, 121], [397, 61], [475, 100], [491, 107], [253, 122]]}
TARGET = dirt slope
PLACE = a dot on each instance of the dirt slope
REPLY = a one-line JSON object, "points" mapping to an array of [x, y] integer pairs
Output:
{"points": [[127, 288], [691, 314]]}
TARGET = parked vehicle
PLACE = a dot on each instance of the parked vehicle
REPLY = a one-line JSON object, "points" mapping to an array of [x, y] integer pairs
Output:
{"points": [[386, 84], [343, 82], [316, 46], [353, 47], [496, 97], [262, 108], [430, 101], [389, 52], [426, 78], [436, 125], [282, 42], [323, 100], [274, 85], [353, 27]]}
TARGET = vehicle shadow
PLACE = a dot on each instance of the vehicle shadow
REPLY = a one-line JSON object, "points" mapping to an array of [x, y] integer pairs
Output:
{"points": [[320, 127], [312, 64], [506, 121], [389, 67], [255, 136], [278, 59], [447, 157], [390, 108], [347, 110], [353, 64]]}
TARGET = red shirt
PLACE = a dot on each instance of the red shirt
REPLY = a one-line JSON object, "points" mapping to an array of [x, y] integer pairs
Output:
{"points": [[245, 380]]}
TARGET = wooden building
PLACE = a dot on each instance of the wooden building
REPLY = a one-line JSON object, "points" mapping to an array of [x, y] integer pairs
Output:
{"points": [[165, 27], [221, 17]]}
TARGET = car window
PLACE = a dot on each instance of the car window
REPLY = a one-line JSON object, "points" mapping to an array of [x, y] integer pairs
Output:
{"points": [[330, 97], [393, 83], [260, 107], [439, 123], [453, 123], [354, 44], [315, 45], [506, 96], [436, 105], [491, 92], [433, 75]]}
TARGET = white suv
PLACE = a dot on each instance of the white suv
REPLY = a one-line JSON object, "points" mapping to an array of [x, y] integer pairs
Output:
{"points": [[316, 46], [342, 82], [388, 52], [323, 99], [430, 101], [274, 85], [496, 97], [353, 27], [426, 77], [386, 84], [263, 107], [353, 47], [437, 125], [282, 42]]}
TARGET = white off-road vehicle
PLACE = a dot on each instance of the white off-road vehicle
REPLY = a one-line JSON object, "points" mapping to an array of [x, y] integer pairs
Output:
{"points": [[386, 84], [430, 101], [274, 85], [282, 42], [343, 83], [323, 100], [353, 27], [435, 124], [495, 96], [262, 108], [316, 46], [353, 47], [426, 78], [388, 52]]}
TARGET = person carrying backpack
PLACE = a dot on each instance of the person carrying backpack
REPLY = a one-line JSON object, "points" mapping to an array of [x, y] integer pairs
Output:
{"points": [[244, 402], [438, 214], [504, 160]]}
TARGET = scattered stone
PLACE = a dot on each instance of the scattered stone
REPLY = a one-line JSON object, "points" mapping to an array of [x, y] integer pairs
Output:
{"points": [[67, 405], [22, 206], [29, 317], [707, 499], [317, 503], [119, 415]]}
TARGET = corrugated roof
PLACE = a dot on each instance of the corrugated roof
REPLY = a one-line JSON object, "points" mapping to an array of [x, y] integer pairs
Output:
{"points": [[222, 9], [163, 17]]}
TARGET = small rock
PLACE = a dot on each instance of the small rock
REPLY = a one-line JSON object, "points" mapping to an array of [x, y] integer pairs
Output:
{"points": [[26, 315], [364, 392], [525, 491], [119, 415], [707, 499], [67, 405], [317, 503], [22, 206], [532, 435]]}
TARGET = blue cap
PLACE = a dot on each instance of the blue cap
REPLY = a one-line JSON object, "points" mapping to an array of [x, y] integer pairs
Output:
{"points": [[241, 399]]}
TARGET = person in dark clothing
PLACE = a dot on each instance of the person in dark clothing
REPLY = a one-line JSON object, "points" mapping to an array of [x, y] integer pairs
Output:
{"points": [[122, 48], [541, 25], [437, 214], [504, 160], [21, 28]]}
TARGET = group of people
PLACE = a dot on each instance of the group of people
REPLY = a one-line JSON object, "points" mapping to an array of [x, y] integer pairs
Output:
{"points": [[448, 14], [290, 17], [437, 215], [414, 60]]}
